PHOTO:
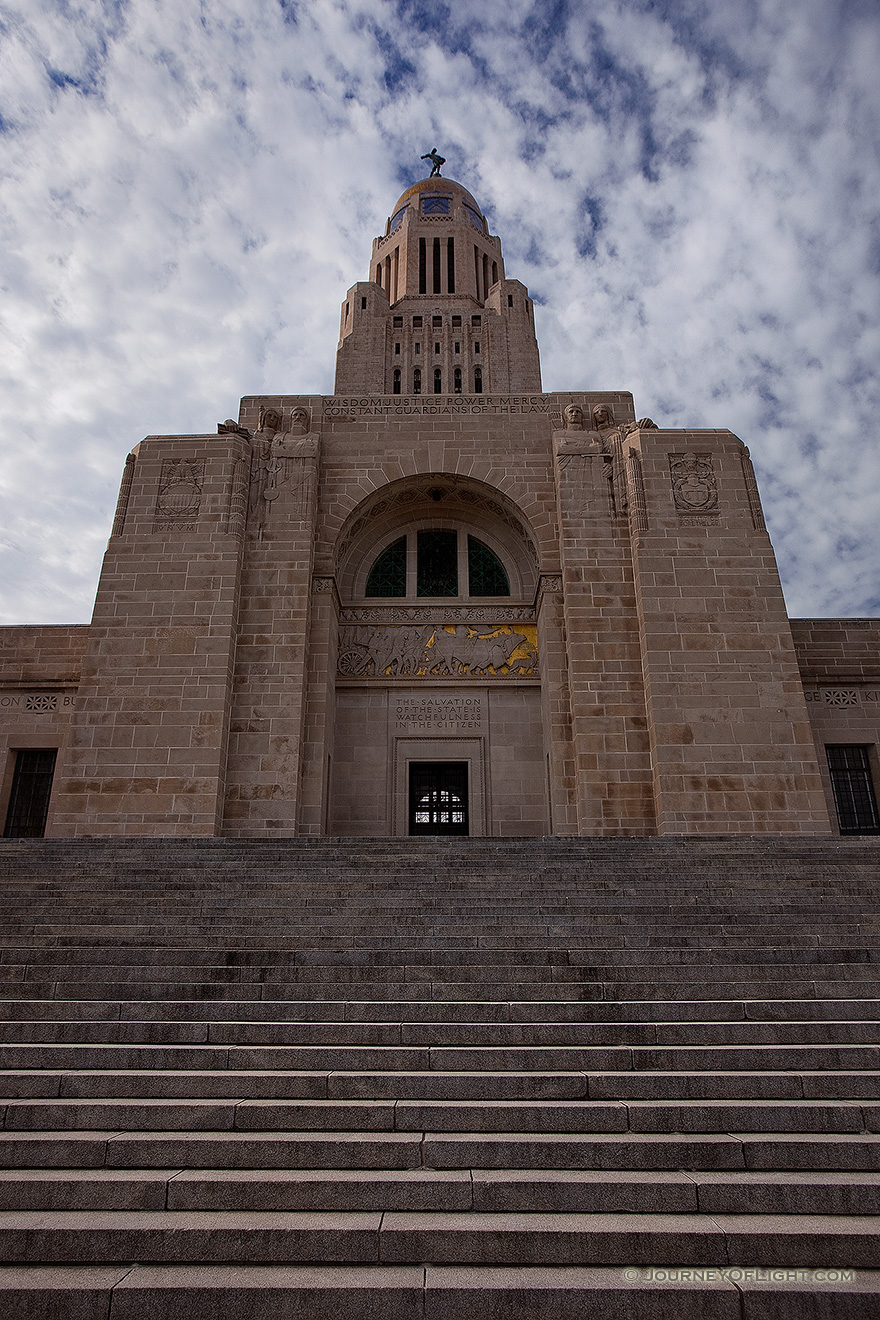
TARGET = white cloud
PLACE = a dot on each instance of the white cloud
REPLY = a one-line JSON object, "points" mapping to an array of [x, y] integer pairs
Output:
{"points": [[189, 190]]}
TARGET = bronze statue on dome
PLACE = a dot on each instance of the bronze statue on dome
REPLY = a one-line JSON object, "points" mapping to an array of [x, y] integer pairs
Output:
{"points": [[436, 160]]}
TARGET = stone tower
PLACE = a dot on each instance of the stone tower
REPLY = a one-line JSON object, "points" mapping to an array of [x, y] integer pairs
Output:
{"points": [[437, 315]]}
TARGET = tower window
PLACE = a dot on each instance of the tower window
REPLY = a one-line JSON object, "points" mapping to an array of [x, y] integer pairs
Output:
{"points": [[456, 380], [457, 346], [388, 574], [478, 380], [477, 346], [437, 573], [437, 265], [347, 311], [395, 384], [417, 323], [853, 790], [486, 575], [436, 322], [417, 381], [476, 320], [423, 266], [456, 322], [398, 323], [510, 300], [363, 304], [417, 347], [397, 348], [438, 381], [450, 265], [436, 348]]}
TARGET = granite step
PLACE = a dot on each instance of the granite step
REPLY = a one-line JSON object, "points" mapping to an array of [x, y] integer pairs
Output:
{"points": [[413, 1237], [435, 1292]]}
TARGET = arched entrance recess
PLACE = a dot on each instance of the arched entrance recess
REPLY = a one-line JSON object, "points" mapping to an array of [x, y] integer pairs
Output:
{"points": [[438, 665]]}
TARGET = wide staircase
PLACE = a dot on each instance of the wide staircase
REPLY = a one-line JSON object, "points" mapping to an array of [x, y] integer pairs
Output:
{"points": [[556, 1079]]}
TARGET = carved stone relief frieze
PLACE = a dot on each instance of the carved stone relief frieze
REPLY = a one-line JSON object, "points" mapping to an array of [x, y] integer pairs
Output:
{"points": [[694, 484], [433, 614], [438, 651], [180, 494]]}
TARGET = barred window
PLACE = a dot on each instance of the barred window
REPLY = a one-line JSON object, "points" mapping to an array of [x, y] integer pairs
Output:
{"points": [[31, 790], [853, 790]]}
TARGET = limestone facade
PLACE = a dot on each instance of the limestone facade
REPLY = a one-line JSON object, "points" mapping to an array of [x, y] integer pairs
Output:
{"points": [[441, 599]]}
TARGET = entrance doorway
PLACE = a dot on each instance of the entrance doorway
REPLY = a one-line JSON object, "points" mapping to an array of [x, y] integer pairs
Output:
{"points": [[438, 797]]}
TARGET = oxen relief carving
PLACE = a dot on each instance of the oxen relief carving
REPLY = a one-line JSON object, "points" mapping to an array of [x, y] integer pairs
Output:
{"points": [[438, 651]]}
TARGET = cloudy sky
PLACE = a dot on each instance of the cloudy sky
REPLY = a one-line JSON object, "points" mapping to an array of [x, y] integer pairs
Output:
{"points": [[689, 188]]}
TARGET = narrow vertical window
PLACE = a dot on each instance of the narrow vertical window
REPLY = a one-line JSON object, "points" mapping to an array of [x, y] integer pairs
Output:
{"points": [[450, 264], [423, 266], [438, 381], [437, 288], [363, 304], [477, 270], [417, 381], [395, 386], [437, 563], [478, 380], [456, 380], [494, 272], [485, 277], [397, 350], [31, 790], [510, 300], [379, 274], [853, 790]]}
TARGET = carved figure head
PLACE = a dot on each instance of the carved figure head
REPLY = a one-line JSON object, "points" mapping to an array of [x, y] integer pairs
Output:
{"points": [[602, 417], [270, 420], [573, 416], [299, 420]]}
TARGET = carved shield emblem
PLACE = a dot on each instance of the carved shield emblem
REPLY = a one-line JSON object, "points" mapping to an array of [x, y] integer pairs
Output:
{"points": [[694, 487]]}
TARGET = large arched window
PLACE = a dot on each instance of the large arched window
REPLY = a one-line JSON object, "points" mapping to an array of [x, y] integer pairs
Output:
{"points": [[438, 563]]}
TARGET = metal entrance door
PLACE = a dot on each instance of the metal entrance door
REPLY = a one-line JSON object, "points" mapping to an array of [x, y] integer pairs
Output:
{"points": [[438, 797]]}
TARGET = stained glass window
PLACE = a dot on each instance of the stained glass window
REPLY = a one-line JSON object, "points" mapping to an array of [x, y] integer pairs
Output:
{"points": [[437, 573], [397, 220], [388, 574], [486, 575], [475, 218]]}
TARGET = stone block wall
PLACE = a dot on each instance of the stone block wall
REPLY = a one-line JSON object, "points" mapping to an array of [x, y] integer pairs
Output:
{"points": [[147, 749], [730, 739]]}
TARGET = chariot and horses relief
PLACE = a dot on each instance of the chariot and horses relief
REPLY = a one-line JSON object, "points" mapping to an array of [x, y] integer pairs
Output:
{"points": [[438, 651]]}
